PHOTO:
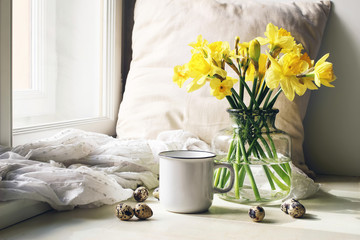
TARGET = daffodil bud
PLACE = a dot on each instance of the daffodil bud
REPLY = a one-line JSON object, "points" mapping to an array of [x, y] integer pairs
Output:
{"points": [[237, 40], [254, 50]]}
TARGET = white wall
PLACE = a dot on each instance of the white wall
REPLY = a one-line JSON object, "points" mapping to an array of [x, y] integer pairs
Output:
{"points": [[5, 73], [332, 124]]}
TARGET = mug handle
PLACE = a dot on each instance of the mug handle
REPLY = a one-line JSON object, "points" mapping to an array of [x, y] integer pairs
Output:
{"points": [[232, 177]]}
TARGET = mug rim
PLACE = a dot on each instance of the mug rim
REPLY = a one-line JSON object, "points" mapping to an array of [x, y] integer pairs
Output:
{"points": [[167, 154]]}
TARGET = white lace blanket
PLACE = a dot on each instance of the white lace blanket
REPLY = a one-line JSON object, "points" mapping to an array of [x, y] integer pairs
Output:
{"points": [[84, 169]]}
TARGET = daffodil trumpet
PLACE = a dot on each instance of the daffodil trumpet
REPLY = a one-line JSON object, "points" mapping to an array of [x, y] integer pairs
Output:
{"points": [[284, 69]]}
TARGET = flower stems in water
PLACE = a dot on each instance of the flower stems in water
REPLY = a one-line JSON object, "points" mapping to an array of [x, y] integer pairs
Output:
{"points": [[252, 140]]}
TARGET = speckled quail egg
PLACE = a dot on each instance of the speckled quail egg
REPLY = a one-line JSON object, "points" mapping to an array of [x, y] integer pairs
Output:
{"points": [[142, 211], [296, 210], [156, 193], [141, 194], [285, 205], [257, 213], [124, 211], [293, 207]]}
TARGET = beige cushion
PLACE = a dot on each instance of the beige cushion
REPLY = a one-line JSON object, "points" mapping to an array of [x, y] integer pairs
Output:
{"points": [[162, 31]]}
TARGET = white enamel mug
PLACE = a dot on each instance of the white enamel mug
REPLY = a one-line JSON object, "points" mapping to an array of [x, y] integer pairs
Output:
{"points": [[186, 180]]}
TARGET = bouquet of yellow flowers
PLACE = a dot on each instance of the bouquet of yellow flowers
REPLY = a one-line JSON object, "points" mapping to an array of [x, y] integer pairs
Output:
{"points": [[285, 67]]}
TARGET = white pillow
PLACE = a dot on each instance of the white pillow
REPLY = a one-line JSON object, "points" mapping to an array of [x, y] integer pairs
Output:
{"points": [[162, 31]]}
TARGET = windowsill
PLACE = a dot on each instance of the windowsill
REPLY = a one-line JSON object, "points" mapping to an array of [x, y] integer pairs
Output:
{"points": [[332, 214], [16, 211]]}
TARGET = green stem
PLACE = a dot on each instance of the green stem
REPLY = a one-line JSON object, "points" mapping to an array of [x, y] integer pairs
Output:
{"points": [[243, 84], [255, 125], [252, 98], [277, 169], [250, 149], [278, 182], [242, 80], [217, 177], [253, 92], [238, 98], [238, 150], [248, 170], [231, 148], [273, 148], [267, 148], [236, 181], [222, 177], [241, 89], [268, 175], [241, 176], [266, 169], [231, 102], [226, 179], [288, 168], [260, 150], [281, 174], [237, 163], [272, 102], [267, 98], [262, 95]]}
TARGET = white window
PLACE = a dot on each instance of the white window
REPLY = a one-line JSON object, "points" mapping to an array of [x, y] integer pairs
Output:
{"points": [[62, 58], [65, 66]]}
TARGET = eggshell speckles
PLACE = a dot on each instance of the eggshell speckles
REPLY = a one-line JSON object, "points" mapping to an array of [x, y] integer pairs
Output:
{"points": [[141, 194], [124, 212], [142, 211], [296, 210], [293, 207], [256, 213]]}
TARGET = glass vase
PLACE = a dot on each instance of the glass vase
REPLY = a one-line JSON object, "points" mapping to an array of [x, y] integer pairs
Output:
{"points": [[260, 154]]}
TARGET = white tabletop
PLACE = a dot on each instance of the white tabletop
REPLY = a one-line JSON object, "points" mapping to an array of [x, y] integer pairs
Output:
{"points": [[334, 213]]}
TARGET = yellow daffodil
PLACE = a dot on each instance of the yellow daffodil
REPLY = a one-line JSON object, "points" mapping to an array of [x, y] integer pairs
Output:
{"points": [[199, 45], [254, 50], [198, 65], [233, 55], [250, 73], [277, 39], [221, 89], [305, 57], [180, 74], [201, 69], [219, 51], [243, 49], [262, 65], [324, 73], [297, 49], [308, 82], [284, 73]]}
